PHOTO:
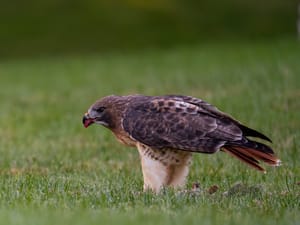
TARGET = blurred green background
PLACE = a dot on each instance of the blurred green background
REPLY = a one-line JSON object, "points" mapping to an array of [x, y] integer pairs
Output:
{"points": [[54, 27]]}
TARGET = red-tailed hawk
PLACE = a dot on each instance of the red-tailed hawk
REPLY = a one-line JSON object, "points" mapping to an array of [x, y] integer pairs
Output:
{"points": [[167, 129]]}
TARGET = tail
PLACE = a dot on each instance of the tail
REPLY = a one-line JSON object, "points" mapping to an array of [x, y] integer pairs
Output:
{"points": [[251, 152]]}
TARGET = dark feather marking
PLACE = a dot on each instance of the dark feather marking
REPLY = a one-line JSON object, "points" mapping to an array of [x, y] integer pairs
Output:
{"points": [[171, 103], [161, 103], [190, 110]]}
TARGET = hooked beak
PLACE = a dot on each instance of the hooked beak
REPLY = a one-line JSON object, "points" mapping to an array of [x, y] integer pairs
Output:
{"points": [[87, 120]]}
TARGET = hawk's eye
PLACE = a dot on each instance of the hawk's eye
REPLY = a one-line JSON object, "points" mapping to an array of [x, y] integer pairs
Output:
{"points": [[100, 109]]}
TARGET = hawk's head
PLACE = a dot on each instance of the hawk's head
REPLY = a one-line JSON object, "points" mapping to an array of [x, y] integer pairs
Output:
{"points": [[106, 111], [99, 112], [94, 115]]}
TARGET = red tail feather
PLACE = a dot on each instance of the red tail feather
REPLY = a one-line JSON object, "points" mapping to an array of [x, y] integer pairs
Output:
{"points": [[252, 153]]}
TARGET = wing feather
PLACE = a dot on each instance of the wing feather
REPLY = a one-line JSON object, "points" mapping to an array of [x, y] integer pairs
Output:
{"points": [[213, 111], [179, 122]]}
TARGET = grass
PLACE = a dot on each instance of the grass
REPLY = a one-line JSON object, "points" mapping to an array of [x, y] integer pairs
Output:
{"points": [[53, 171]]}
